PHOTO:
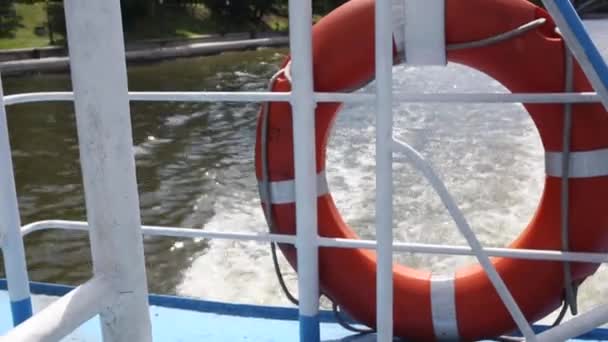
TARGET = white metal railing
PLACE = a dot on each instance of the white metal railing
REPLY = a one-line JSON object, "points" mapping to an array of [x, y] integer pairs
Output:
{"points": [[11, 243], [75, 308], [303, 108], [103, 120], [99, 79], [398, 247], [384, 171], [249, 96]]}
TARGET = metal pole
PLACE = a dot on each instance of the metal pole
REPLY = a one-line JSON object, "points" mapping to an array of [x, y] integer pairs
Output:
{"points": [[384, 170], [11, 242], [303, 106], [99, 78], [65, 314]]}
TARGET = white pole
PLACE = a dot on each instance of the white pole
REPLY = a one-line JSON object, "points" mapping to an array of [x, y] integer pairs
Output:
{"points": [[303, 105], [99, 78], [65, 314], [384, 170], [10, 228]]}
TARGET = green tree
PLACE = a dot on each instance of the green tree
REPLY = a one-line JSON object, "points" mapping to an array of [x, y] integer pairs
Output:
{"points": [[322, 7], [9, 20], [55, 20], [243, 14], [133, 9]]}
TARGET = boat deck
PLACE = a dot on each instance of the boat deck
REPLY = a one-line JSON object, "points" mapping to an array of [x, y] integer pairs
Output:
{"points": [[184, 319]]}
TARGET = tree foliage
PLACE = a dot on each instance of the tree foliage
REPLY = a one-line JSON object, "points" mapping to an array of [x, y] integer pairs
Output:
{"points": [[325, 6], [9, 20], [242, 13], [133, 9], [250, 14], [223, 15]]}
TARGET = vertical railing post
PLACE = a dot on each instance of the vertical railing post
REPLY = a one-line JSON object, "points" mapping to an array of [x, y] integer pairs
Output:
{"points": [[11, 242], [384, 170], [303, 105], [99, 79]]}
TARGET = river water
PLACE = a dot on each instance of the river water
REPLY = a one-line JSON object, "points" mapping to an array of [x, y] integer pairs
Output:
{"points": [[195, 169]]}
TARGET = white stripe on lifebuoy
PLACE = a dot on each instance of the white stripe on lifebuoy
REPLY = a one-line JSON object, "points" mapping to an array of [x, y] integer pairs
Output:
{"points": [[585, 164], [443, 308], [283, 192]]}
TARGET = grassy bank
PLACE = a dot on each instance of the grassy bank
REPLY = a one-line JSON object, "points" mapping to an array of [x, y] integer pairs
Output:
{"points": [[22, 32], [166, 22]]}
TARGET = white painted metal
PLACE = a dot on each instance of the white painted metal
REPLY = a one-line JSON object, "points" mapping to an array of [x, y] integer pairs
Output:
{"points": [[401, 247], [282, 192], [443, 308], [424, 32], [588, 97], [10, 222], [576, 326], [303, 105], [463, 226], [99, 78], [212, 96], [52, 96], [384, 170], [65, 314], [583, 164]]}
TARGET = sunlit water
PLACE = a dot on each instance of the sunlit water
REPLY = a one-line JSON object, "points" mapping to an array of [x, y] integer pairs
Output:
{"points": [[195, 169]]}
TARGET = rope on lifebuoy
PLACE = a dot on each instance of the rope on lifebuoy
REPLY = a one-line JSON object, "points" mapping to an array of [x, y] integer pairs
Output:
{"points": [[501, 37]]}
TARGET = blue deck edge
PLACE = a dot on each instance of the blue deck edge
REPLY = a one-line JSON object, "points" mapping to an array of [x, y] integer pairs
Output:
{"points": [[244, 310], [192, 304]]}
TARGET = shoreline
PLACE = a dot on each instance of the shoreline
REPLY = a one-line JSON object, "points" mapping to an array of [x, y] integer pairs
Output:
{"points": [[164, 50]]}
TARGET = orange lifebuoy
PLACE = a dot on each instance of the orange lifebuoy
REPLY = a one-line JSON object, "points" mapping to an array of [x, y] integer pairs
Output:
{"points": [[343, 57]]}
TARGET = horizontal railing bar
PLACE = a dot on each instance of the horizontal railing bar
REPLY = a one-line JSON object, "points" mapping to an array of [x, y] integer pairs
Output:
{"points": [[164, 232], [55, 321], [402, 247], [56, 96], [322, 97], [159, 96], [215, 96], [465, 97], [424, 248]]}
